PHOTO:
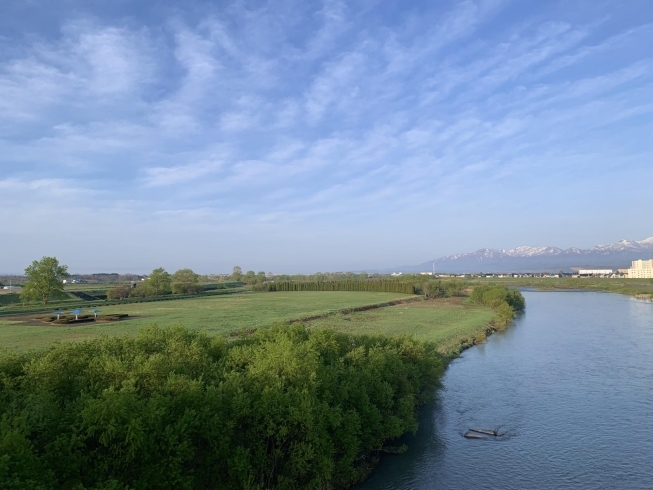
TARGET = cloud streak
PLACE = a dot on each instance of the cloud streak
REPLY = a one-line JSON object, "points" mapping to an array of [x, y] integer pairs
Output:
{"points": [[324, 116]]}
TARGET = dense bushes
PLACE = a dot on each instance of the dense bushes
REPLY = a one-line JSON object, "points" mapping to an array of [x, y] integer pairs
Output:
{"points": [[443, 289], [285, 408], [505, 302], [377, 285], [9, 299]]}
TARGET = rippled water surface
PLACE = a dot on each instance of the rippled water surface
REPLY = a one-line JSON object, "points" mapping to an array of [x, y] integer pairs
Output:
{"points": [[572, 383]]}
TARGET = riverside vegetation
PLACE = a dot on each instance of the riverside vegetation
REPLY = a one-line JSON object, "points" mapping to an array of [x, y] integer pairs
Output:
{"points": [[281, 407]]}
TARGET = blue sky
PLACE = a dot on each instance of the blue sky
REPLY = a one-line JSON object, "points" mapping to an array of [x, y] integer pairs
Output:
{"points": [[297, 136]]}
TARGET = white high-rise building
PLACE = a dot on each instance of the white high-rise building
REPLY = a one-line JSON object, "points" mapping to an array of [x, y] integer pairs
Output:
{"points": [[641, 269]]}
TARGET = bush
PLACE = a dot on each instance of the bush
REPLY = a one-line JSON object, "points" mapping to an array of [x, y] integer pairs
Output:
{"points": [[120, 292], [505, 302], [183, 288], [283, 408]]}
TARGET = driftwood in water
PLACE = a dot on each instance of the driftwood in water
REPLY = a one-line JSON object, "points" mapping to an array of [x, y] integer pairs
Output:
{"points": [[473, 435], [487, 432]]}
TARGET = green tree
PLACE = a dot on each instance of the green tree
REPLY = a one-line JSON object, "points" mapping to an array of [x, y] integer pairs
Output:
{"points": [[159, 282], [185, 281], [120, 292], [237, 274], [250, 277], [44, 280]]}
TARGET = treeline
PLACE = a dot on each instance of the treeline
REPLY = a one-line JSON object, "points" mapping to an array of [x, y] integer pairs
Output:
{"points": [[505, 302], [377, 285], [159, 283], [170, 409]]}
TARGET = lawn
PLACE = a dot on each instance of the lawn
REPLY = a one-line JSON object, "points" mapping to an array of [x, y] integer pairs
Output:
{"points": [[446, 321], [215, 315]]}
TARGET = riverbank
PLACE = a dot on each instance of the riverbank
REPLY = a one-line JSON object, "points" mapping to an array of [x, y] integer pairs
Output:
{"points": [[632, 287], [450, 323], [575, 360]]}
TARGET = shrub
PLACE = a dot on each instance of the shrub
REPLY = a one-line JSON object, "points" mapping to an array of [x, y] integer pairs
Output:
{"points": [[120, 292], [170, 408]]}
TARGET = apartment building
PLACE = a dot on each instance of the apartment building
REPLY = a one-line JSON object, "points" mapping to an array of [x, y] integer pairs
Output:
{"points": [[641, 269]]}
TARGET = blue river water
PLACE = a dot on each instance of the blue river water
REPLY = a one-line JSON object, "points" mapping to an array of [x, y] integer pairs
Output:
{"points": [[571, 382]]}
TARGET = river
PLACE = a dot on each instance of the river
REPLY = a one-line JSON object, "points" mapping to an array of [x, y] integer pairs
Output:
{"points": [[571, 381]]}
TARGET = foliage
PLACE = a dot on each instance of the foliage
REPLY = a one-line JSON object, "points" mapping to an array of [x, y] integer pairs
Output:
{"points": [[44, 280], [505, 302], [9, 299], [185, 281], [285, 408], [380, 285], [119, 292], [237, 274], [159, 281]]}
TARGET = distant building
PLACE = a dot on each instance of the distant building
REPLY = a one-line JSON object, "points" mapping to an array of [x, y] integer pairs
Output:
{"points": [[641, 269], [594, 272]]}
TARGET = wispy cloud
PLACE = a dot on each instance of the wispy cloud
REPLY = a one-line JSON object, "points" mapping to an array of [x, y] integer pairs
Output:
{"points": [[322, 115]]}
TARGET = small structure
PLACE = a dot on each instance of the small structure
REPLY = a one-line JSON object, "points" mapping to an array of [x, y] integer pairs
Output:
{"points": [[594, 272], [95, 312], [58, 312], [76, 313]]}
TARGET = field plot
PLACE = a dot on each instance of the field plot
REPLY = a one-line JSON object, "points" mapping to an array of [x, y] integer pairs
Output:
{"points": [[447, 321], [215, 315]]}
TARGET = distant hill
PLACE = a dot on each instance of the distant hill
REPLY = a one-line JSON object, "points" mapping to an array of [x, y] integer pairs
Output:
{"points": [[534, 259]]}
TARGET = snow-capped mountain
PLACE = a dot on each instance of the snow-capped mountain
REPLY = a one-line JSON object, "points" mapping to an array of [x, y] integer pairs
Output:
{"points": [[532, 259]]}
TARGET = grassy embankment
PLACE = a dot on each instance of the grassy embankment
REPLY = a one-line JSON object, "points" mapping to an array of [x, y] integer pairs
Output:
{"points": [[450, 322], [633, 287]]}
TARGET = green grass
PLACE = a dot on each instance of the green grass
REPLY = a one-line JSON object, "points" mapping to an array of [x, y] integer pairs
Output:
{"points": [[215, 315], [447, 321], [622, 286]]}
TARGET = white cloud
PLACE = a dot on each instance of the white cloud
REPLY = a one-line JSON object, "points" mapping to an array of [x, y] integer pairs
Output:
{"points": [[320, 114]]}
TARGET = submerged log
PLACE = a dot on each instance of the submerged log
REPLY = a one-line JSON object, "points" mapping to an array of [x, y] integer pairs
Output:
{"points": [[488, 432], [473, 435]]}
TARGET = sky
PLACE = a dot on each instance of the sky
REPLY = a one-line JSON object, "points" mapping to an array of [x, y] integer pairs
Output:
{"points": [[303, 136]]}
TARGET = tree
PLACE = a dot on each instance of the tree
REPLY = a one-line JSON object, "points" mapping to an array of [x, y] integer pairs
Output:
{"points": [[119, 292], [250, 277], [44, 280], [237, 274], [185, 281], [159, 281]]}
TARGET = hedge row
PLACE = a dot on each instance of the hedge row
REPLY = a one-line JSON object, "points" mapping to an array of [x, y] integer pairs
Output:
{"points": [[382, 285]]}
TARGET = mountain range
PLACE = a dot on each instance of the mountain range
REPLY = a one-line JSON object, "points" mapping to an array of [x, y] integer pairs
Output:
{"points": [[541, 259]]}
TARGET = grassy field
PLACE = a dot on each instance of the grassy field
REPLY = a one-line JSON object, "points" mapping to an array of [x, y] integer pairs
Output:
{"points": [[622, 286], [447, 321], [215, 315]]}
